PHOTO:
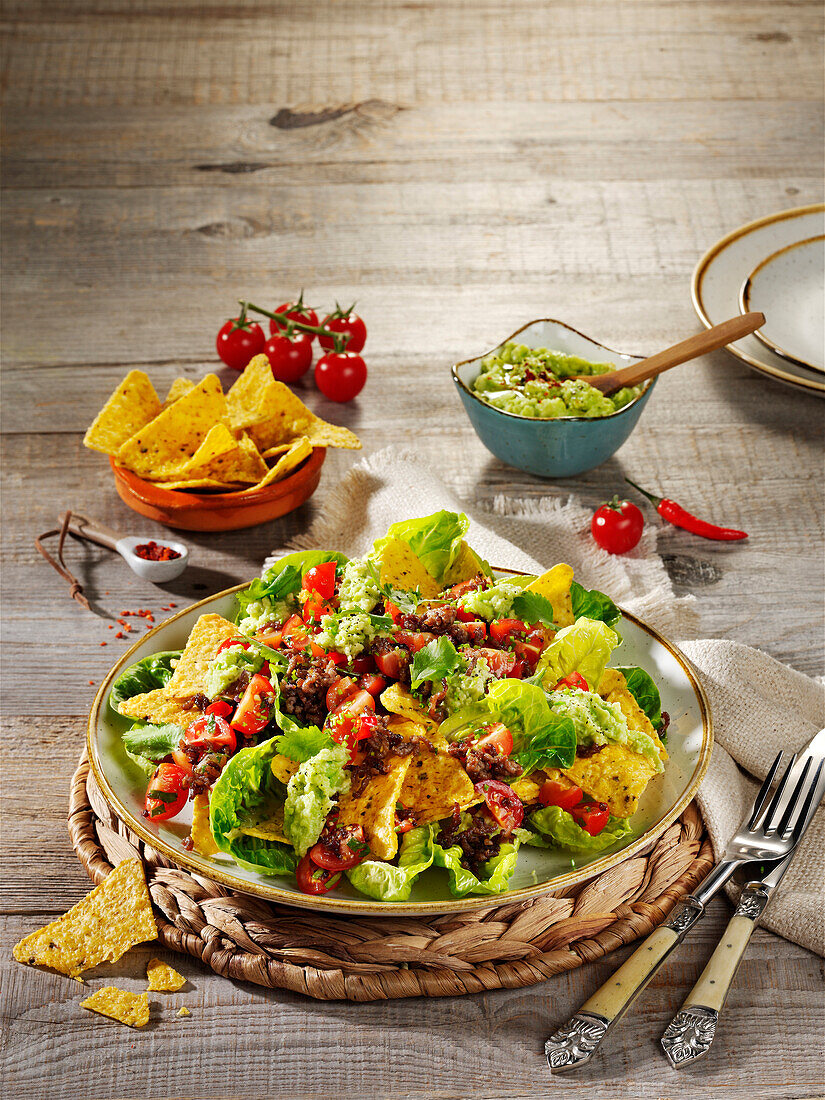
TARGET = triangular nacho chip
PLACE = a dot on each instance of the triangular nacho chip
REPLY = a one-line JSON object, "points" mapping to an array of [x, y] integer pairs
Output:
{"points": [[115, 916], [466, 566], [399, 700], [374, 809], [208, 633], [165, 445], [298, 452], [119, 1004], [554, 585], [131, 407], [401, 567], [201, 832], [223, 458], [321, 433], [206, 484], [283, 768], [270, 829], [434, 785], [179, 388], [156, 707], [276, 452], [163, 978]]}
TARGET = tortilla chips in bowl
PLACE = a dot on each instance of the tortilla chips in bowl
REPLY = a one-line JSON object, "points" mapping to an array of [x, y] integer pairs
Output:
{"points": [[203, 460]]}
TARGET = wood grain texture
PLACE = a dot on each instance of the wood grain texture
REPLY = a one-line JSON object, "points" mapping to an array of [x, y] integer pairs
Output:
{"points": [[460, 168]]}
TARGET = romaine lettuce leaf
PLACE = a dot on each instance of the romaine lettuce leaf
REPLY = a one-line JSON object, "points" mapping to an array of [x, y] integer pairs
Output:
{"points": [[593, 604], [385, 881], [309, 795], [152, 742], [495, 873], [434, 661], [583, 647], [435, 539], [559, 827], [644, 691], [145, 675]]}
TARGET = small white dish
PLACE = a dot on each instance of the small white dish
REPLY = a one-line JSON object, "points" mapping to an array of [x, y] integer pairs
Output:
{"points": [[158, 572], [789, 288], [718, 277]]}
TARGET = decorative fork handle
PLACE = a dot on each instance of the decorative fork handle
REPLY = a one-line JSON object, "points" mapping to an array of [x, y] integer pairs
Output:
{"points": [[575, 1042], [691, 1032]]}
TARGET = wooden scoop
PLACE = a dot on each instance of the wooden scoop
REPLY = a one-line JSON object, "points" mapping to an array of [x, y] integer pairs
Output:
{"points": [[717, 337]]}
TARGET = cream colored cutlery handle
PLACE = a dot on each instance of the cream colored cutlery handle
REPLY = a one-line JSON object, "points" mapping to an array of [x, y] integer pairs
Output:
{"points": [[691, 1032], [575, 1042]]}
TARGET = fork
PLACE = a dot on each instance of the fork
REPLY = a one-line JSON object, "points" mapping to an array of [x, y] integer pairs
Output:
{"points": [[771, 831]]}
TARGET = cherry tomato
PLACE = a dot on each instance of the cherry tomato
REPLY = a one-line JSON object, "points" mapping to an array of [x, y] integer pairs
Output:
{"points": [[315, 608], [337, 658], [529, 649], [346, 728], [167, 792], [237, 347], [496, 736], [465, 616], [229, 643], [296, 311], [501, 662], [360, 665], [592, 816], [353, 850], [296, 636], [360, 702], [211, 733], [617, 526], [553, 793], [220, 708], [339, 691], [321, 579], [289, 357], [372, 682], [313, 879], [413, 640], [340, 376], [502, 630], [182, 760], [574, 680], [462, 588], [505, 806], [350, 324], [271, 638], [476, 630], [394, 612], [256, 706], [392, 663]]}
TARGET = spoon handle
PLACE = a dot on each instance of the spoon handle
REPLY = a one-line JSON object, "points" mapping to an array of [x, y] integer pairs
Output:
{"points": [[717, 337], [85, 528]]}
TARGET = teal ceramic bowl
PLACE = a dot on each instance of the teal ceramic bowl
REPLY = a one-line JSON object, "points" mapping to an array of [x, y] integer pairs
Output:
{"points": [[550, 448]]}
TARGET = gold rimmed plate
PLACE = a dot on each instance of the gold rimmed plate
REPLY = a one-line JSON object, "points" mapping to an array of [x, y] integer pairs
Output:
{"points": [[539, 870]]}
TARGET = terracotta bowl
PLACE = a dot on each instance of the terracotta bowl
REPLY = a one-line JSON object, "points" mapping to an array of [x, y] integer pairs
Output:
{"points": [[219, 511]]}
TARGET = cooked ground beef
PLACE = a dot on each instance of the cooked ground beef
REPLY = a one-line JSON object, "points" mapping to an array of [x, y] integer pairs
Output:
{"points": [[304, 687], [195, 702], [438, 621], [342, 841], [480, 841], [437, 708], [236, 689], [205, 771], [589, 750], [382, 744], [474, 584], [662, 731], [484, 763]]}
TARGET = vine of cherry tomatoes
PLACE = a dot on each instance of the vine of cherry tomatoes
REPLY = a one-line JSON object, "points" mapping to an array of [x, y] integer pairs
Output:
{"points": [[340, 373]]}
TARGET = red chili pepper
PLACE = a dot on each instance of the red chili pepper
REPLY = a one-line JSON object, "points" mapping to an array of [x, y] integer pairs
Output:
{"points": [[674, 513]]}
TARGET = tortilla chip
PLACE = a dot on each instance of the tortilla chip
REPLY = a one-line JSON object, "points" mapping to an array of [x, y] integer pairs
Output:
{"points": [[201, 832], [167, 443], [298, 452], [270, 829], [207, 635], [527, 788], [184, 1011], [131, 407], [274, 452], [554, 585], [225, 459], [433, 785], [115, 916], [179, 388], [202, 483], [118, 1004], [156, 707], [401, 567], [399, 700], [321, 433], [613, 688], [375, 809], [163, 978], [466, 566], [614, 775], [284, 768]]}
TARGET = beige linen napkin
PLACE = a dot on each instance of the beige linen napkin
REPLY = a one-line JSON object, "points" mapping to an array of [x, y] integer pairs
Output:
{"points": [[758, 705]]}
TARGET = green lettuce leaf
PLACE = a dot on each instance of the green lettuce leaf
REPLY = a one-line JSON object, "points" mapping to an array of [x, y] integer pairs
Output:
{"points": [[583, 647], [593, 604], [531, 607], [246, 792], [495, 873], [559, 827], [152, 742], [145, 675], [309, 795], [435, 539], [434, 661], [385, 881], [644, 691]]}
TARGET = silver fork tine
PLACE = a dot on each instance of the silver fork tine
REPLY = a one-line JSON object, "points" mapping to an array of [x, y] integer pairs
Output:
{"points": [[765, 789], [802, 816], [777, 794], [783, 828]]}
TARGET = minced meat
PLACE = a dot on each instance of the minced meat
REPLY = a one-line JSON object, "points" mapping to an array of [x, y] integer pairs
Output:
{"points": [[484, 762], [304, 687], [382, 744], [479, 841]]}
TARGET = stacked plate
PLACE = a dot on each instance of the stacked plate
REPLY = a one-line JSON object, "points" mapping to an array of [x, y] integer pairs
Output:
{"points": [[775, 266]]}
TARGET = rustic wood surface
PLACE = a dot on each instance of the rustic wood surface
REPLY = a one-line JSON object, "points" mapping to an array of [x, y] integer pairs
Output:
{"points": [[459, 168]]}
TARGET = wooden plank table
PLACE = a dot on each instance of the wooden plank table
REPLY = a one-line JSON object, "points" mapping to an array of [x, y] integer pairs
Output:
{"points": [[459, 168]]}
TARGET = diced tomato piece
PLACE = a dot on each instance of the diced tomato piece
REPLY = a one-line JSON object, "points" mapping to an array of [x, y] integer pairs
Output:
{"points": [[360, 665], [372, 682], [496, 736], [592, 816], [353, 852], [182, 760], [360, 702], [505, 806], [501, 661], [229, 643], [296, 636], [348, 729], [256, 706], [566, 796], [271, 638], [574, 680], [502, 630], [336, 657], [220, 708], [465, 616], [476, 629], [394, 612], [313, 879], [392, 663], [315, 608], [342, 689], [321, 579], [517, 672], [461, 588], [211, 733], [413, 640], [166, 793]]}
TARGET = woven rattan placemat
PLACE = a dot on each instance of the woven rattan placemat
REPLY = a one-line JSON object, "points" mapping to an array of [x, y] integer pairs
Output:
{"points": [[368, 958]]}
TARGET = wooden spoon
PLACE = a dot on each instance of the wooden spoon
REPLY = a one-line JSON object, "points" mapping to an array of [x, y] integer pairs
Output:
{"points": [[717, 337]]}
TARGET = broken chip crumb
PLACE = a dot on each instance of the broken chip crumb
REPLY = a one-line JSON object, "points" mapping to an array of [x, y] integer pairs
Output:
{"points": [[163, 978], [118, 1004], [115, 916], [184, 1011]]}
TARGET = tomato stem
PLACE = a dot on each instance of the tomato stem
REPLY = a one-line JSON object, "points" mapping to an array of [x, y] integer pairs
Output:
{"points": [[339, 339]]}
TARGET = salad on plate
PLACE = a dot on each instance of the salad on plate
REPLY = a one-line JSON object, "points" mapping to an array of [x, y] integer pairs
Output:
{"points": [[376, 717]]}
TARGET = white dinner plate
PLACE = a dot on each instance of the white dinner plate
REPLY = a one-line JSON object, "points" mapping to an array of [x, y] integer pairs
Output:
{"points": [[719, 275], [689, 741], [789, 288]]}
